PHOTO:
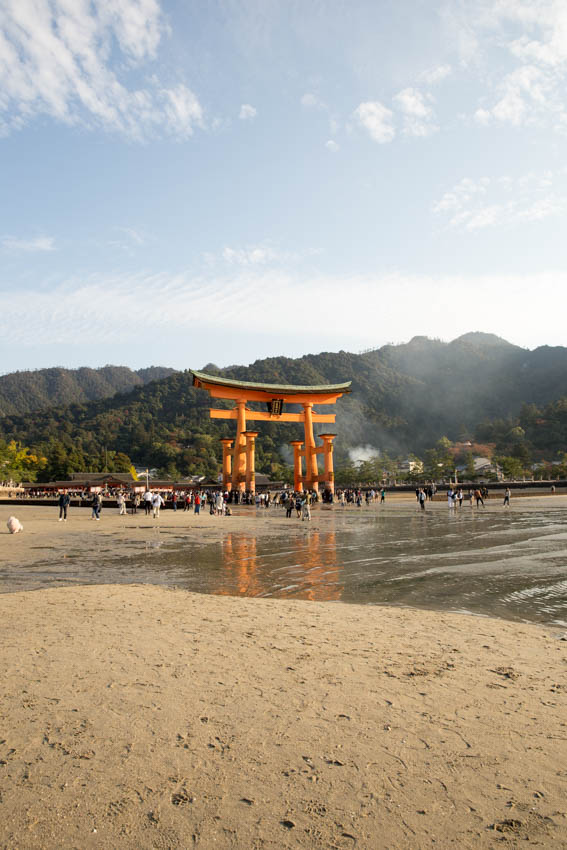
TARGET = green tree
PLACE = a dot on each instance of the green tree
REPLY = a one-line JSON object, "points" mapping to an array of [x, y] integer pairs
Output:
{"points": [[19, 463], [512, 467]]}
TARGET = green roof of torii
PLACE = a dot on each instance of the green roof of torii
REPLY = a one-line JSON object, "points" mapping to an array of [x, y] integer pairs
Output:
{"points": [[287, 389]]}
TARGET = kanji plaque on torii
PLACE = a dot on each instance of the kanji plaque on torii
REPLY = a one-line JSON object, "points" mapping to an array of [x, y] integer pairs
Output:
{"points": [[238, 461]]}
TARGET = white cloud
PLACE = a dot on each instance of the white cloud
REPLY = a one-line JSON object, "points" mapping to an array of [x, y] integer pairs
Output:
{"points": [[435, 75], [134, 240], [524, 95], [68, 58], [15, 245], [256, 255], [182, 111], [93, 309], [418, 115], [247, 111], [504, 201], [311, 101], [134, 235], [377, 120], [521, 47], [332, 146], [482, 116]]}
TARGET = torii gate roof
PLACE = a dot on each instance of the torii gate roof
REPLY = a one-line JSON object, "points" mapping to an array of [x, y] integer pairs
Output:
{"points": [[200, 378]]}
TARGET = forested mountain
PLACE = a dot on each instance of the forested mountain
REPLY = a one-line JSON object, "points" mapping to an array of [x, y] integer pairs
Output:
{"points": [[22, 392], [404, 398]]}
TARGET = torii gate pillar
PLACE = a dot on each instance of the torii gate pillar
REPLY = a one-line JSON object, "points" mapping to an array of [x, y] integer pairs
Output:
{"points": [[329, 474], [250, 460], [239, 464], [226, 463], [311, 471], [297, 470]]}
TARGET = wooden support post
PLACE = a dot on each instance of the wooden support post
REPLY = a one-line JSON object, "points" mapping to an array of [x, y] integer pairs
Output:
{"points": [[226, 463], [328, 459], [239, 452], [297, 471], [311, 469], [250, 460]]}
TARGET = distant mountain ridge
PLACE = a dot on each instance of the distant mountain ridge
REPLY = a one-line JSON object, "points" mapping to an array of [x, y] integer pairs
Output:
{"points": [[24, 392], [404, 398]]}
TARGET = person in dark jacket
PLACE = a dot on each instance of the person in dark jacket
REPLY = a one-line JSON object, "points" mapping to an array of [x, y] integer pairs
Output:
{"points": [[63, 502]]}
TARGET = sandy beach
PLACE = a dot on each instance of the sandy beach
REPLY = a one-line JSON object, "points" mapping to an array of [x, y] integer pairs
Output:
{"points": [[136, 716]]}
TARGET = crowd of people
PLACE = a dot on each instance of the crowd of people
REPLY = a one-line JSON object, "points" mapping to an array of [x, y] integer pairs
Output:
{"points": [[456, 496], [219, 503]]}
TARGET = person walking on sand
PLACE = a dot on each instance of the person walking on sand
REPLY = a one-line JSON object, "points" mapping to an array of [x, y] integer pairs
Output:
{"points": [[306, 508], [289, 506], [157, 503], [63, 502], [507, 494], [422, 498], [382, 495], [135, 498], [121, 502], [478, 497], [197, 503], [148, 496], [96, 506]]}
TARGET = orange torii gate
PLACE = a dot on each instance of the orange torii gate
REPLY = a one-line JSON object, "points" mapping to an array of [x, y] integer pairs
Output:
{"points": [[238, 470]]}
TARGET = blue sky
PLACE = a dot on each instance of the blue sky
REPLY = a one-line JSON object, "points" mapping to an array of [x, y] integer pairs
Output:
{"points": [[186, 182]]}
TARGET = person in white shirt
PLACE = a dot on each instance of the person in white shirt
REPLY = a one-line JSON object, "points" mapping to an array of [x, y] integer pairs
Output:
{"points": [[121, 502], [157, 503]]}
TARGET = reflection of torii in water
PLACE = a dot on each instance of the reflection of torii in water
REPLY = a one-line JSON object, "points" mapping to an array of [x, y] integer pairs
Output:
{"points": [[238, 462], [244, 570]]}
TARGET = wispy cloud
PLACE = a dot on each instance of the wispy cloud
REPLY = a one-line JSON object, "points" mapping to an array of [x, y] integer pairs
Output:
{"points": [[247, 111], [503, 201], [16, 246], [417, 112], [313, 101], [332, 146], [526, 42], [433, 76], [58, 58], [252, 256], [135, 236], [377, 119], [93, 308]]}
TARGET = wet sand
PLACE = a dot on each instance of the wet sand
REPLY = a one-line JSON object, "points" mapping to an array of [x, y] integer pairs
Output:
{"points": [[136, 716], [44, 536]]}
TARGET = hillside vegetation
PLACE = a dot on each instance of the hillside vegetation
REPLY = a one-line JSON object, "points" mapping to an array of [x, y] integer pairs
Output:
{"points": [[23, 392], [404, 399]]}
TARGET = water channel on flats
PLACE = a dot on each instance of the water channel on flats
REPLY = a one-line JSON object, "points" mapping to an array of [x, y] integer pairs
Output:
{"points": [[507, 564]]}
